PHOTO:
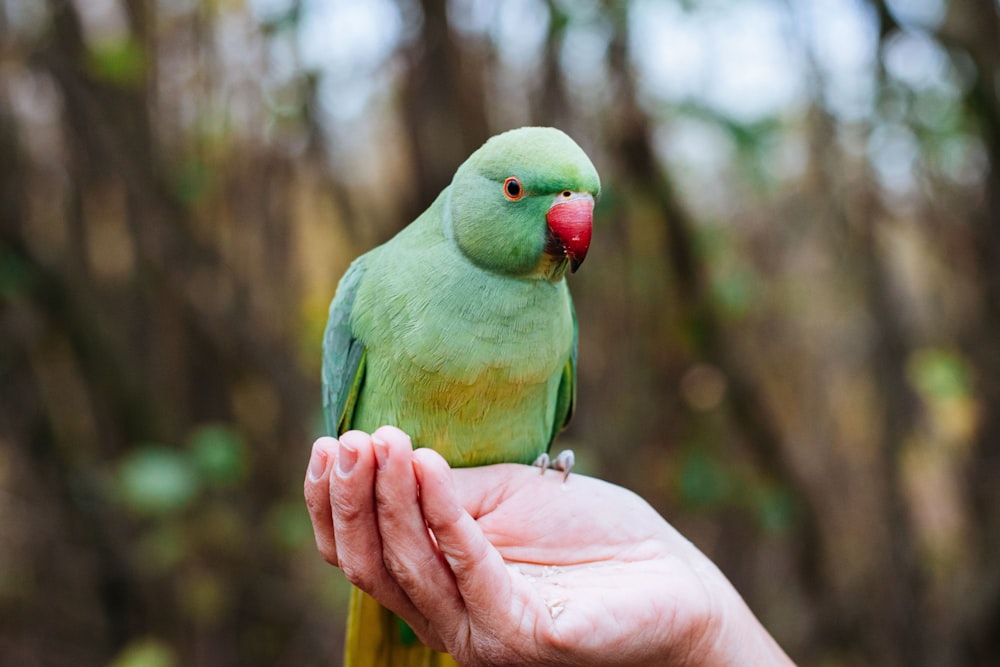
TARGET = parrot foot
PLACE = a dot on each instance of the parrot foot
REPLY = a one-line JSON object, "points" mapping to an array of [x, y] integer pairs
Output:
{"points": [[563, 462]]}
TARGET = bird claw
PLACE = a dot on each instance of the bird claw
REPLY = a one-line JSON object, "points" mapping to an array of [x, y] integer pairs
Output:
{"points": [[563, 462]]}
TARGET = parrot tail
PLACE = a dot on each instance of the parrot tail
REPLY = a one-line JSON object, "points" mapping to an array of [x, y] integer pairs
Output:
{"points": [[376, 637]]}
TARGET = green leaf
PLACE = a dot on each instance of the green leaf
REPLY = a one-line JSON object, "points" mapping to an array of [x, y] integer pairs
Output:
{"points": [[154, 479], [118, 61], [287, 525], [15, 274], [148, 652], [732, 291], [939, 374], [775, 509], [219, 454], [192, 181], [703, 481]]}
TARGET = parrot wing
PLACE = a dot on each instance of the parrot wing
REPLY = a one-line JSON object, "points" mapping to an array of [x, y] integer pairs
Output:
{"points": [[566, 396], [343, 355]]}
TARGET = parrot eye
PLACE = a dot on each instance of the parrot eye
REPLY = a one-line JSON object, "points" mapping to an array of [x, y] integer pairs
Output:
{"points": [[512, 189]]}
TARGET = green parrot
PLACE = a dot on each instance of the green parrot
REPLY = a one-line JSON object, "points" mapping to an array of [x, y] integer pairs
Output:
{"points": [[460, 330]]}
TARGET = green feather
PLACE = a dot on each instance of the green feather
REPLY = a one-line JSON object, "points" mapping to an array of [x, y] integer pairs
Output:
{"points": [[343, 355], [566, 398]]}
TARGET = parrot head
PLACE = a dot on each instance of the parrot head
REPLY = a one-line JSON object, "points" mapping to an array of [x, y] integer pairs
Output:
{"points": [[523, 204]]}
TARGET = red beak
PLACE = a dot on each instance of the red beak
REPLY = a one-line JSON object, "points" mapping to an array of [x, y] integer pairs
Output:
{"points": [[571, 219]]}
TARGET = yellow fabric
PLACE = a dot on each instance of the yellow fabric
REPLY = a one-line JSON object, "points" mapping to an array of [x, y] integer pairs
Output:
{"points": [[373, 639]]}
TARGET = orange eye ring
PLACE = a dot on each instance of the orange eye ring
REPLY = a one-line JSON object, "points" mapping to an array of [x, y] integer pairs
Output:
{"points": [[512, 189]]}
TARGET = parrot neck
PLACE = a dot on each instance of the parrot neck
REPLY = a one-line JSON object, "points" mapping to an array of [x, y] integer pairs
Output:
{"points": [[550, 268]]}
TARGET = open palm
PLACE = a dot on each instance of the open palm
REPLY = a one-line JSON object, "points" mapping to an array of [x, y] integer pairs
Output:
{"points": [[587, 563], [503, 565]]}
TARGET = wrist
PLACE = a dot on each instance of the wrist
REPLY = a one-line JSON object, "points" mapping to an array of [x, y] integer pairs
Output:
{"points": [[739, 638]]}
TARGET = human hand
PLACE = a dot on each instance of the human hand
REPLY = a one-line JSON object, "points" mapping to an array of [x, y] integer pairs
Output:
{"points": [[522, 568]]}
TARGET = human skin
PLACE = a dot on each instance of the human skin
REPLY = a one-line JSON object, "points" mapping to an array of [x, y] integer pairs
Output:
{"points": [[503, 565]]}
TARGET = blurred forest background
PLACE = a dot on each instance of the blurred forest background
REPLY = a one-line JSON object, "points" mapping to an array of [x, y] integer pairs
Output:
{"points": [[790, 316]]}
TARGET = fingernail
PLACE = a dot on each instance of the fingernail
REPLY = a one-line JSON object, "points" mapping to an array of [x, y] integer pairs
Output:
{"points": [[381, 451], [317, 465], [347, 456]]}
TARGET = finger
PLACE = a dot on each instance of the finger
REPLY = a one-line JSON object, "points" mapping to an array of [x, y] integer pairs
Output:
{"points": [[352, 504], [355, 518], [316, 489], [410, 555], [480, 573]]}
